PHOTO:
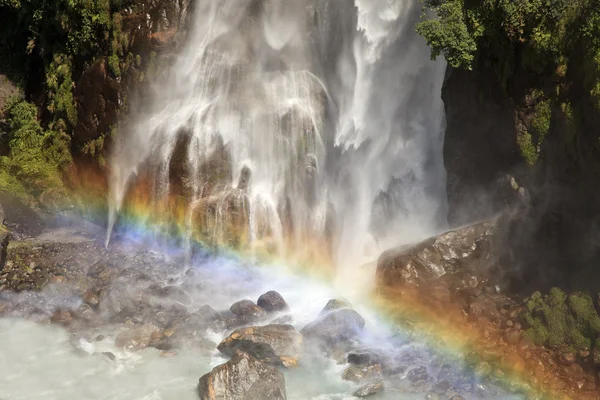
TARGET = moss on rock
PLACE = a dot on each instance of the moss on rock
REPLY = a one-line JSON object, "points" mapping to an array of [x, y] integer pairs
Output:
{"points": [[558, 320]]}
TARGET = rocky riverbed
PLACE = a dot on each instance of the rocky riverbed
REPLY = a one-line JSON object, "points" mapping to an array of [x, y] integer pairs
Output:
{"points": [[76, 315]]}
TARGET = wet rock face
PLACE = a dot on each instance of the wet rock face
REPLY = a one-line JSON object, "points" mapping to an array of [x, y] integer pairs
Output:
{"points": [[3, 246], [97, 95], [479, 144], [273, 344], [272, 302], [456, 260], [242, 378]]}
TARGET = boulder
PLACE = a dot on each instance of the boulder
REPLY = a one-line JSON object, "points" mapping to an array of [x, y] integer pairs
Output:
{"points": [[272, 302], [361, 373], [247, 308], [368, 357], [335, 326], [274, 344], [369, 389], [242, 378], [335, 304], [449, 254]]}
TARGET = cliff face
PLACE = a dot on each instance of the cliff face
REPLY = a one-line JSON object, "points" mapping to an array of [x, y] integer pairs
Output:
{"points": [[552, 201], [69, 70]]}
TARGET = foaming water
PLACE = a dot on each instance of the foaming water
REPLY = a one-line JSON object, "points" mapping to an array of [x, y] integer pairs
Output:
{"points": [[323, 117], [73, 367]]}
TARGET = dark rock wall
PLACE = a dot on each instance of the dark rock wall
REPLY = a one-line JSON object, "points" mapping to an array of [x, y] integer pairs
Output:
{"points": [[552, 206]]}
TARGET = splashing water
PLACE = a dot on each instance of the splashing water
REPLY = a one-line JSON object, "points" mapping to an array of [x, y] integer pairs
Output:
{"points": [[323, 120]]}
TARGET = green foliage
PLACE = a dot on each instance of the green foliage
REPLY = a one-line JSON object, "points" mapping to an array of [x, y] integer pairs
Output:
{"points": [[60, 90], [542, 115], [113, 65], [527, 148], [559, 320], [448, 34], [36, 157]]}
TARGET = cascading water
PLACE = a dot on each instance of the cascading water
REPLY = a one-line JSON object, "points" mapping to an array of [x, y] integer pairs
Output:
{"points": [[326, 115]]}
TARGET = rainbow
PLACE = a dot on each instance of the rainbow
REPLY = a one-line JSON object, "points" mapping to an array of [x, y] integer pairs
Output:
{"points": [[445, 330]]}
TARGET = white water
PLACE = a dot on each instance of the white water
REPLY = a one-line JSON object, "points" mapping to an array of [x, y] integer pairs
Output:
{"points": [[334, 106], [39, 362]]}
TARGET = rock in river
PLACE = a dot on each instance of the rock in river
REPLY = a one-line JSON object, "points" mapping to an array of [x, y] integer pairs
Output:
{"points": [[274, 344], [335, 327], [242, 378], [272, 302], [247, 308]]}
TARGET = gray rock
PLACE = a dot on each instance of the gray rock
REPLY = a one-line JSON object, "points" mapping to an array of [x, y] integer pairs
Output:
{"points": [[441, 387], [242, 378], [368, 357], [335, 304], [272, 302], [247, 308], [369, 389], [274, 344], [360, 374], [438, 257], [335, 327]]}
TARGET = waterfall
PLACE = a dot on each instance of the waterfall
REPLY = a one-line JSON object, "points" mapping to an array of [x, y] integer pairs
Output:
{"points": [[295, 123]]}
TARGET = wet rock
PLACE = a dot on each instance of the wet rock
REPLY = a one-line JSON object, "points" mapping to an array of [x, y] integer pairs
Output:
{"points": [[242, 378], [247, 308], [90, 297], [208, 313], [174, 293], [483, 307], [442, 266], [362, 373], [109, 355], [512, 336], [335, 304], [441, 387], [55, 201], [567, 358], [335, 326], [245, 176], [3, 244], [85, 312], [418, 376], [274, 344], [136, 338], [62, 317], [2, 216], [369, 389], [368, 357], [272, 302]]}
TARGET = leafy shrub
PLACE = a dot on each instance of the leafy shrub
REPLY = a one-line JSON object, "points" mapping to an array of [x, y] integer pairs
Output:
{"points": [[560, 320]]}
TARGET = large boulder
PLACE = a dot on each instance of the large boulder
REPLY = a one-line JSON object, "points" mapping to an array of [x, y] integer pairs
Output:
{"points": [[274, 344], [454, 261], [242, 378], [335, 327]]}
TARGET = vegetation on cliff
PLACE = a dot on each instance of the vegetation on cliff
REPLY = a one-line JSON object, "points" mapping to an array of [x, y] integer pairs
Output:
{"points": [[47, 47], [558, 320], [545, 53]]}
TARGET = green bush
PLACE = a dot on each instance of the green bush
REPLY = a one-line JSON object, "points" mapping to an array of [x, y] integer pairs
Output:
{"points": [[560, 320], [36, 157]]}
